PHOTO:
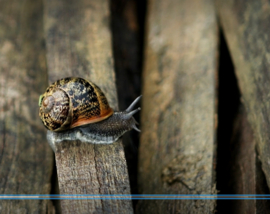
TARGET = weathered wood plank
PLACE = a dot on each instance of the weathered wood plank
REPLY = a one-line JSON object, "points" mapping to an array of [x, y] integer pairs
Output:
{"points": [[79, 44], [26, 159], [245, 27], [178, 114]]}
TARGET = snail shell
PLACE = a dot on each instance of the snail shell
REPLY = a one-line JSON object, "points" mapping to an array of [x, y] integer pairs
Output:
{"points": [[76, 109], [72, 102]]}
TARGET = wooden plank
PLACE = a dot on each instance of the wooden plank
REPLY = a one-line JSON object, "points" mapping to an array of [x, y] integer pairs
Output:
{"points": [[79, 44], [26, 158], [244, 25], [178, 114]]}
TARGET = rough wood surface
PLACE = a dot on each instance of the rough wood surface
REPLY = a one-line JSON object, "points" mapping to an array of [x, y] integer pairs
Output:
{"points": [[245, 27], [79, 44], [26, 158], [178, 111]]}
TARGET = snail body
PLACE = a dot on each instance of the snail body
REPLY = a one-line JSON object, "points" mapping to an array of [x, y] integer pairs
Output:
{"points": [[76, 109]]}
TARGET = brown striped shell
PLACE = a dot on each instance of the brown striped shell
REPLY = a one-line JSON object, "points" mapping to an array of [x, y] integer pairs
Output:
{"points": [[72, 102]]}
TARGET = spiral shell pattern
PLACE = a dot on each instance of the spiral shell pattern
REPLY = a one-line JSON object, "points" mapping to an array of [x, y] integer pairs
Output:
{"points": [[72, 102]]}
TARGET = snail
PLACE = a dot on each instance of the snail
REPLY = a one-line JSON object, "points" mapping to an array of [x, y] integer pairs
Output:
{"points": [[76, 109]]}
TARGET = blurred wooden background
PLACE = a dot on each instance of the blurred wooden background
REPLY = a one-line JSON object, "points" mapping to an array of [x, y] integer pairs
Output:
{"points": [[202, 67]]}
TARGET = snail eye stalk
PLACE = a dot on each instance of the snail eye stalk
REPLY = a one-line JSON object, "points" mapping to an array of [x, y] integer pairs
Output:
{"points": [[40, 100]]}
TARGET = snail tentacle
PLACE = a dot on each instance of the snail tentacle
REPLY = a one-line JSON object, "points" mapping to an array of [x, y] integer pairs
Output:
{"points": [[131, 113], [133, 103], [136, 128]]}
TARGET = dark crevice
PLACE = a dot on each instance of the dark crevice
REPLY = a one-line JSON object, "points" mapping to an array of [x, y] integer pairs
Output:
{"points": [[98, 178], [127, 25], [228, 106], [55, 189]]}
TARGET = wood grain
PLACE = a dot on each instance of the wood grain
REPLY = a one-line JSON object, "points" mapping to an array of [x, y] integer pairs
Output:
{"points": [[79, 44], [26, 158], [245, 28], [178, 112]]}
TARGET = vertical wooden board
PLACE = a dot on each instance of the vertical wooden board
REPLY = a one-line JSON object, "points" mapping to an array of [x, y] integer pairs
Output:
{"points": [[178, 112], [26, 159], [78, 42], [245, 28]]}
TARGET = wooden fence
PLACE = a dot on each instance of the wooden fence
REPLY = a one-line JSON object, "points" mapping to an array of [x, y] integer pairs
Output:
{"points": [[202, 67]]}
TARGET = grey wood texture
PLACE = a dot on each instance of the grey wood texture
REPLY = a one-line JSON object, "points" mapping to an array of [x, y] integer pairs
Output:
{"points": [[178, 112]]}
